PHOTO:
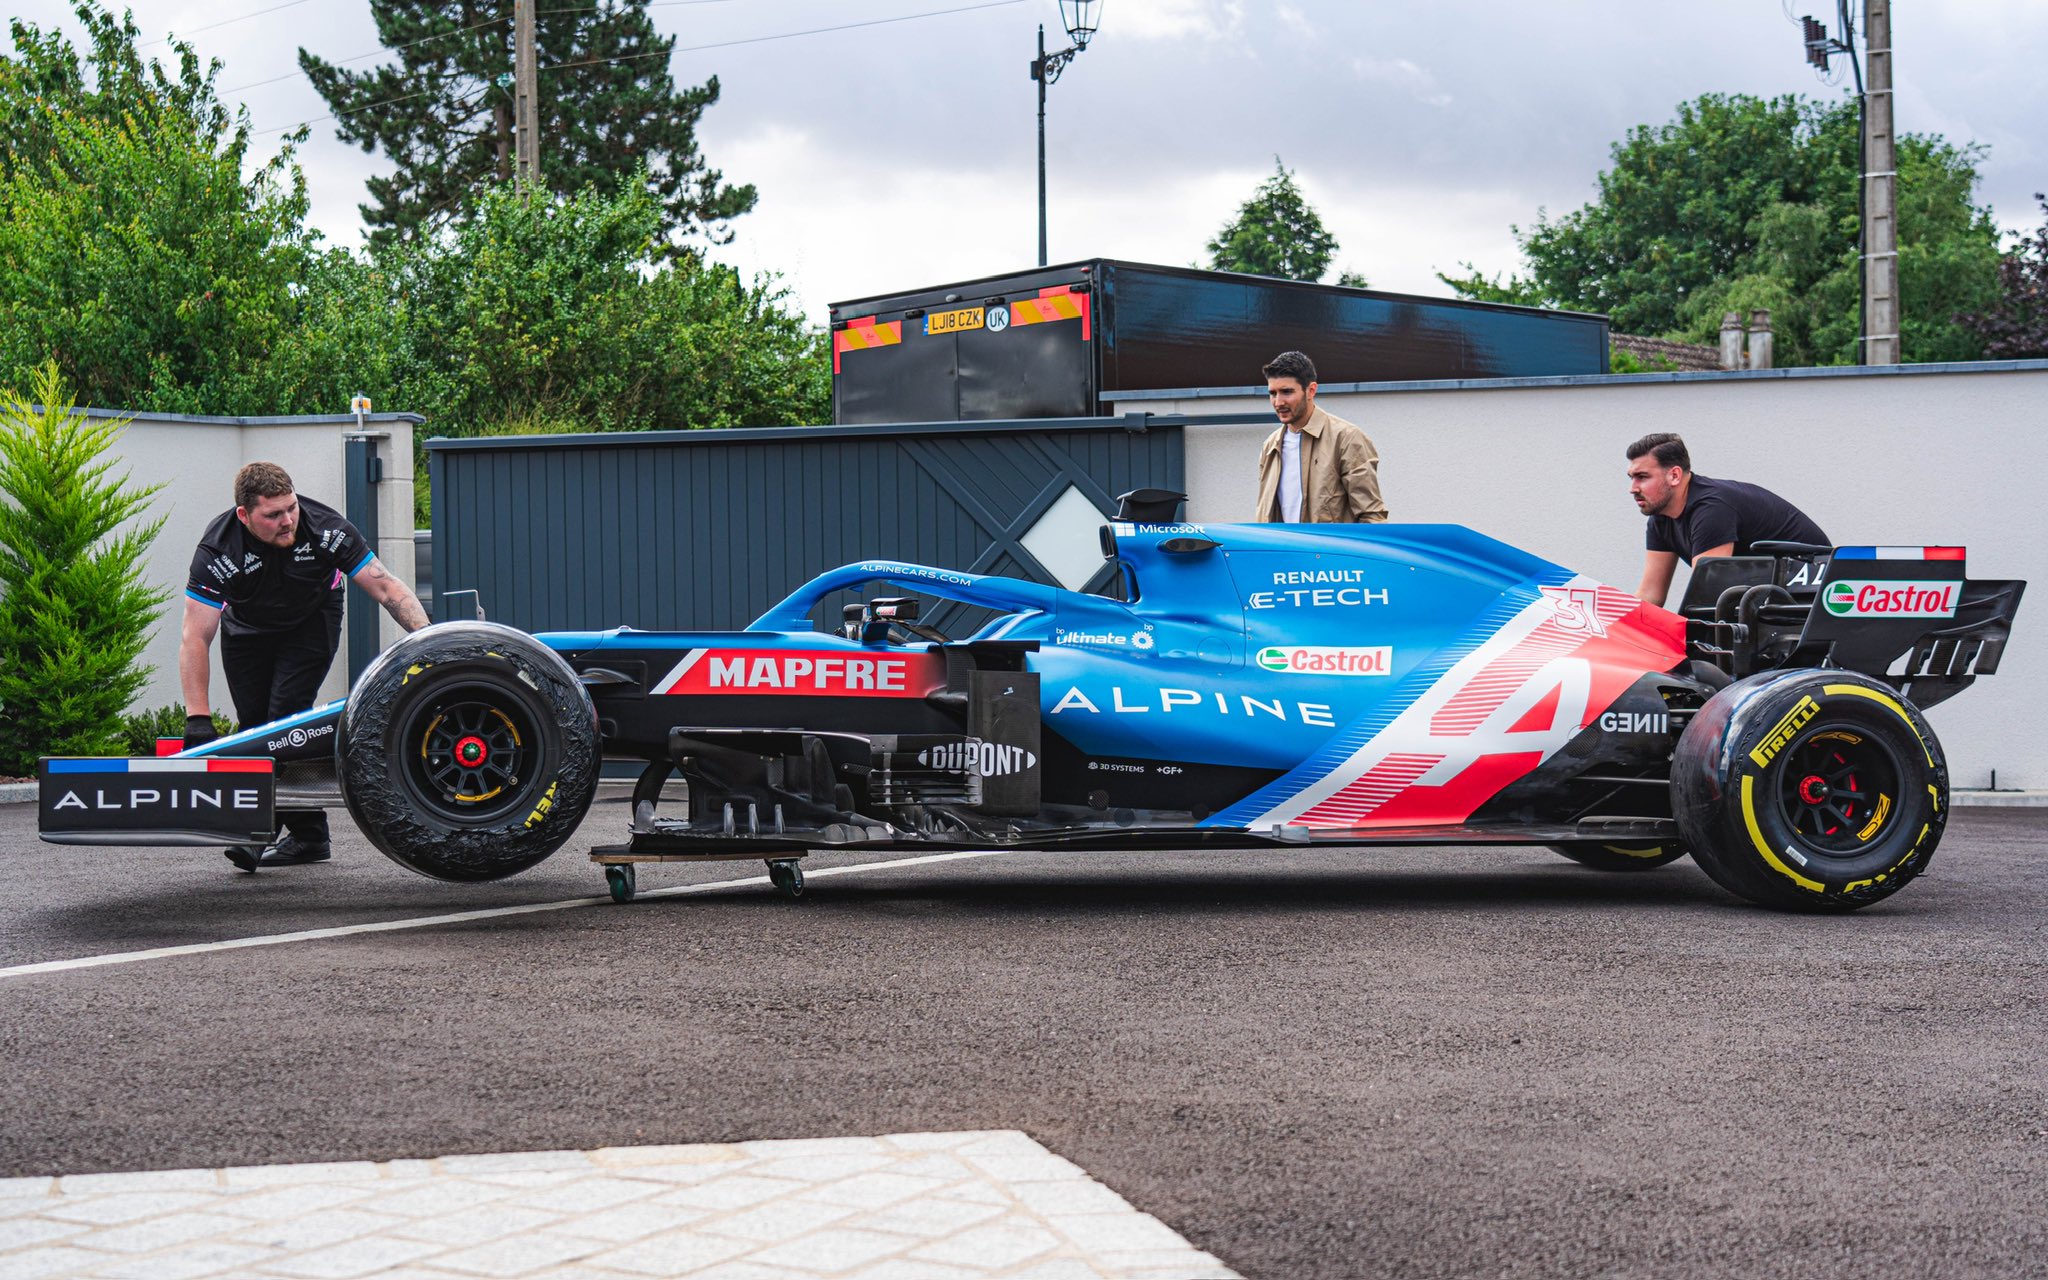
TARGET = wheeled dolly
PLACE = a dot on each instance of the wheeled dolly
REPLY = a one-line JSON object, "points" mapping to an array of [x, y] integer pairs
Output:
{"points": [[651, 839], [787, 874], [621, 875]]}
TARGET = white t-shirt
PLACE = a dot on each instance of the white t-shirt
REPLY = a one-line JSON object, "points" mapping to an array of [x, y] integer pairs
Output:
{"points": [[1290, 476]]}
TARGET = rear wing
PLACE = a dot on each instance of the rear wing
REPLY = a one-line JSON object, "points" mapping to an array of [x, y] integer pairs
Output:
{"points": [[1861, 608]]}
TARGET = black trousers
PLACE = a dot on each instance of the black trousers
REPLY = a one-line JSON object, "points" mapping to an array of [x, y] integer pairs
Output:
{"points": [[277, 673]]}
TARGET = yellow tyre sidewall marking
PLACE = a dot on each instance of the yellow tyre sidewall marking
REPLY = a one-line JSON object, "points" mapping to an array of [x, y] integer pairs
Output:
{"points": [[1763, 846], [1859, 691], [1642, 851]]}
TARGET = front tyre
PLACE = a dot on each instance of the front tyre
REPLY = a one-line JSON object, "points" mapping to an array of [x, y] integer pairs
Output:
{"points": [[1817, 790], [468, 751]]}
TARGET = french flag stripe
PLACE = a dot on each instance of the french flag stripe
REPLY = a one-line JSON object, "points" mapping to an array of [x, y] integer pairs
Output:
{"points": [[1899, 553], [161, 766], [90, 766], [240, 766]]}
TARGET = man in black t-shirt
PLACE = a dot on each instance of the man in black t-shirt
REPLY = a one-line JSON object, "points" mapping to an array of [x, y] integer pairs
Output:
{"points": [[1693, 516], [268, 578]]}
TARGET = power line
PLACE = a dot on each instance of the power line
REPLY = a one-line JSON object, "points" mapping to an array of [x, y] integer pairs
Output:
{"points": [[438, 35], [224, 22], [471, 100], [787, 35], [631, 57], [379, 50], [292, 4]]}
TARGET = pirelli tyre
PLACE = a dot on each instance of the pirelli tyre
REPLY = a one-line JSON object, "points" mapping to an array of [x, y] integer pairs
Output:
{"points": [[1813, 790], [468, 751], [1602, 856]]}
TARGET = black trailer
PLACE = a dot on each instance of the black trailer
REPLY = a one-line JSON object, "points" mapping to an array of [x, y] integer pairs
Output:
{"points": [[1051, 343]]}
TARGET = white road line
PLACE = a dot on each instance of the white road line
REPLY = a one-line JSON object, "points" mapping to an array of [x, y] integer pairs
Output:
{"points": [[459, 917]]}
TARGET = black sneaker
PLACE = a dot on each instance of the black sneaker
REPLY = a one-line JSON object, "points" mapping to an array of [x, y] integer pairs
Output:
{"points": [[290, 851], [244, 856]]}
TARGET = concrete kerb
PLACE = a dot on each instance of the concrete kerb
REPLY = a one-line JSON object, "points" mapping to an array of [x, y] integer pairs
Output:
{"points": [[25, 793]]}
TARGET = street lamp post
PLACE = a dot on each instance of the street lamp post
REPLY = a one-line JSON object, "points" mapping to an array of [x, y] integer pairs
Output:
{"points": [[1081, 17]]}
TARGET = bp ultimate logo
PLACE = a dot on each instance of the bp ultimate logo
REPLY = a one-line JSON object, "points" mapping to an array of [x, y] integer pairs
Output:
{"points": [[1850, 599]]}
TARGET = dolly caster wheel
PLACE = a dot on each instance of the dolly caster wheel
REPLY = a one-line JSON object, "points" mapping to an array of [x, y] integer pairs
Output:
{"points": [[787, 876], [619, 878]]}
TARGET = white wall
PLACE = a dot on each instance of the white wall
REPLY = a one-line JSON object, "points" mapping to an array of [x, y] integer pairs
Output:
{"points": [[1908, 455], [195, 460]]}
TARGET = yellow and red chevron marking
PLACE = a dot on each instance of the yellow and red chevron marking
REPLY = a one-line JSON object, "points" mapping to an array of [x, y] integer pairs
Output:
{"points": [[859, 335], [1058, 302]]}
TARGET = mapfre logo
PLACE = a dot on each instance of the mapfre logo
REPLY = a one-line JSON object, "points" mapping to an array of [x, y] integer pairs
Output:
{"points": [[787, 672], [1328, 660], [1848, 599]]}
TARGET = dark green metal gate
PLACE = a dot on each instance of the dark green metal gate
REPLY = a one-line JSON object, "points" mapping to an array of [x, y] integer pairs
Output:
{"points": [[703, 530]]}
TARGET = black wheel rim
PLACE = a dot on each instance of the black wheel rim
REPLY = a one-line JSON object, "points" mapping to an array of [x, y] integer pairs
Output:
{"points": [[1839, 790], [469, 754]]}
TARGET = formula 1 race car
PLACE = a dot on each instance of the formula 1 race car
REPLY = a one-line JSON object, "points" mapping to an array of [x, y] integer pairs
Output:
{"points": [[1239, 685]]}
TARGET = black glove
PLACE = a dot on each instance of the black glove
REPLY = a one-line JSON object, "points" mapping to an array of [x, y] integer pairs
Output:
{"points": [[199, 731]]}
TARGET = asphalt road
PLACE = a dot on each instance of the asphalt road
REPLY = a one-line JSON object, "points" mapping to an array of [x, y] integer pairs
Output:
{"points": [[1337, 1063]]}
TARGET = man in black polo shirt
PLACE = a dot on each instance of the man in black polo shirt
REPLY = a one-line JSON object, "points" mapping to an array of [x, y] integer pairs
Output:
{"points": [[1692, 516], [268, 577]]}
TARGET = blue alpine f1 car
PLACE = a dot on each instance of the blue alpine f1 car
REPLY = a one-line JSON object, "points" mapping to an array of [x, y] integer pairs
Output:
{"points": [[1239, 685]]}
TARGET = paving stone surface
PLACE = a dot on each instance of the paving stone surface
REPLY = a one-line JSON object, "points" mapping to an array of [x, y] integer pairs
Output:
{"points": [[944, 1206]]}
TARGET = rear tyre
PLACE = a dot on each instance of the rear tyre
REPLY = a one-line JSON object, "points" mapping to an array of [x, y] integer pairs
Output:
{"points": [[1811, 791], [1622, 857], [468, 751]]}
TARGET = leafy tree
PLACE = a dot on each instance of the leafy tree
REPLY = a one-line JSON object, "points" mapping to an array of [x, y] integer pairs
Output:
{"points": [[1276, 233], [1812, 282], [75, 609], [133, 251], [561, 307], [609, 113], [1674, 212], [45, 84], [561, 313], [1742, 203], [2014, 326]]}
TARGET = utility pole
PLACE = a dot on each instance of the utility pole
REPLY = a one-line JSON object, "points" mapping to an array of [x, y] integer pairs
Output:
{"points": [[1877, 202], [526, 100], [1880, 192]]}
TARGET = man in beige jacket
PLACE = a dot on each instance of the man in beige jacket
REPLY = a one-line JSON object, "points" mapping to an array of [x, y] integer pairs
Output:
{"points": [[1316, 468]]}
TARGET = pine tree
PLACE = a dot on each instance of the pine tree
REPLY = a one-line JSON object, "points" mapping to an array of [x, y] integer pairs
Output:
{"points": [[444, 113], [76, 607], [1277, 233]]}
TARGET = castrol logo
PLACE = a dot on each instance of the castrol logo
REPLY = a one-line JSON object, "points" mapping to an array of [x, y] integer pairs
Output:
{"points": [[1329, 660], [1848, 599]]}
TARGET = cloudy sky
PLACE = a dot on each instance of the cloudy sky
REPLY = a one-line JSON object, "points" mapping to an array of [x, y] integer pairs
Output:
{"points": [[903, 153]]}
